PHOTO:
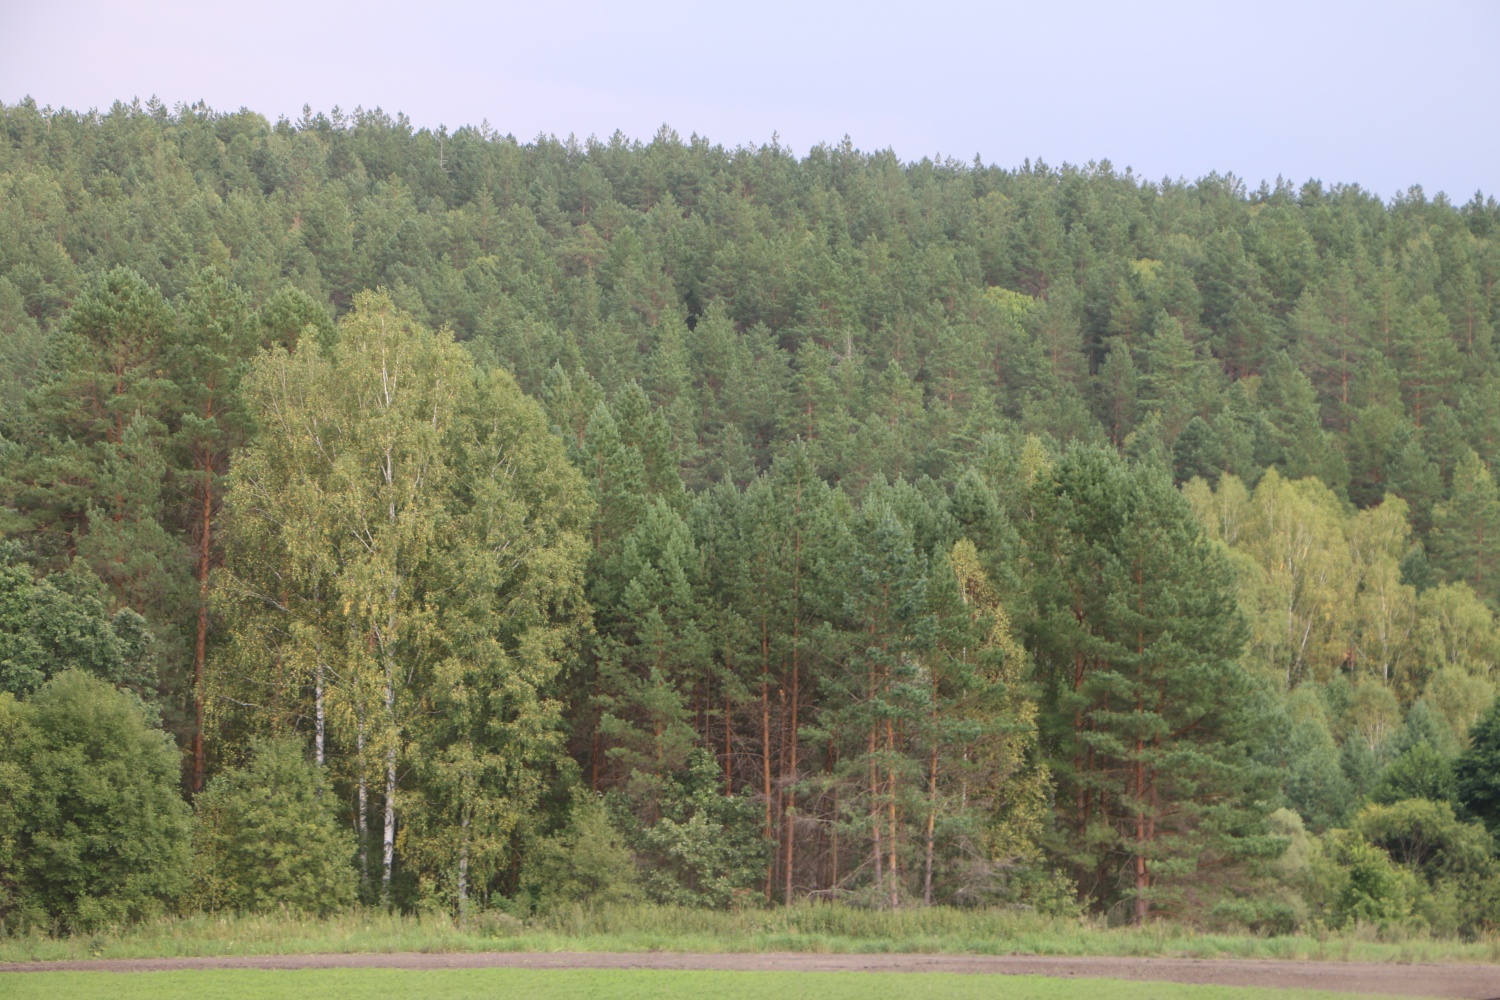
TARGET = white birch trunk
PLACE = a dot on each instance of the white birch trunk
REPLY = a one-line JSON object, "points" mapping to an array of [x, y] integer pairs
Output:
{"points": [[364, 807], [388, 842], [318, 716]]}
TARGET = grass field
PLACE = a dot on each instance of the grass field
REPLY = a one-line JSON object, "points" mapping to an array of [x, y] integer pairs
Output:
{"points": [[819, 928], [615, 984]]}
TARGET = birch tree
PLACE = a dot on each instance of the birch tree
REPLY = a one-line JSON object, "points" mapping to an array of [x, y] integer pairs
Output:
{"points": [[426, 540]]}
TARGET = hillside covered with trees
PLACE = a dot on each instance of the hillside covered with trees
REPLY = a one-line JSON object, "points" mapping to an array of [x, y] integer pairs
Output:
{"points": [[440, 520]]}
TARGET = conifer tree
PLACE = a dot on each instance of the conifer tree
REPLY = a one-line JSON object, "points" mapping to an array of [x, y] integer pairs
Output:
{"points": [[216, 340], [1466, 530], [1138, 639]]}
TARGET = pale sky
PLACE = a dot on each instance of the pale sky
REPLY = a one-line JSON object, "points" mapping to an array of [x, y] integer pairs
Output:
{"points": [[1380, 94]]}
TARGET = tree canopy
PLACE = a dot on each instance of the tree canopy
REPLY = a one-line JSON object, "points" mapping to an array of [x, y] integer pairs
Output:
{"points": [[657, 520]]}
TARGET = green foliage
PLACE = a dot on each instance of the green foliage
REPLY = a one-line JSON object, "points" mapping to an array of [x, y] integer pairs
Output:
{"points": [[1419, 773], [1426, 837], [1455, 861], [585, 862], [55, 624], [93, 829], [1477, 771], [1315, 783], [1466, 530], [406, 541], [268, 836], [1357, 882], [1145, 705], [851, 493], [704, 849]]}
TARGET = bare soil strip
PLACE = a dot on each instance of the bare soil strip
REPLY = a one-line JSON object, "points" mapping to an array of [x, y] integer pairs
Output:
{"points": [[1468, 982]]}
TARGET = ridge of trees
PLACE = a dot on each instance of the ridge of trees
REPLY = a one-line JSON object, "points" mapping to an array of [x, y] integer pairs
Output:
{"points": [[656, 520]]}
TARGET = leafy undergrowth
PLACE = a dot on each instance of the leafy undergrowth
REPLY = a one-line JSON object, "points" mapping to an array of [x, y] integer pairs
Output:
{"points": [[807, 928], [616, 984]]}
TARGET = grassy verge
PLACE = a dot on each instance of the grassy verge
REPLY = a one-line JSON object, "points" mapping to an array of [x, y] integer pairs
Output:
{"points": [[616, 984], [807, 928]]}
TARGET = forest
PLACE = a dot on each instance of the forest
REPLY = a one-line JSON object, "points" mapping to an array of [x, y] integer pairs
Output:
{"points": [[443, 521]]}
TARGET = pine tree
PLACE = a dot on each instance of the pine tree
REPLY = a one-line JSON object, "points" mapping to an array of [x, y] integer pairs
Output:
{"points": [[652, 654], [1477, 771], [879, 697], [1291, 405], [1466, 530], [1138, 639], [1328, 329], [1425, 356], [1118, 390], [216, 340], [986, 790]]}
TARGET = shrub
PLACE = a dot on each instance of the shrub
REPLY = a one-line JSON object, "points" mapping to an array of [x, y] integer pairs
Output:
{"points": [[1477, 772], [1358, 882], [54, 624], [1455, 860], [587, 861], [93, 827], [1420, 773], [1427, 837], [268, 836], [705, 848]]}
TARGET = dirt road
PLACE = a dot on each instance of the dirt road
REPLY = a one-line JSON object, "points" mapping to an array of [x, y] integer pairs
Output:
{"points": [[1469, 982]]}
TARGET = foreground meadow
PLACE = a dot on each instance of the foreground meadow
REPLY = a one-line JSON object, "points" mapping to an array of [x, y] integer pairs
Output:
{"points": [[617, 984], [817, 928]]}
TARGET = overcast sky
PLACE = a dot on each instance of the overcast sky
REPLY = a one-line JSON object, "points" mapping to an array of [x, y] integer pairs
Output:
{"points": [[1380, 94]]}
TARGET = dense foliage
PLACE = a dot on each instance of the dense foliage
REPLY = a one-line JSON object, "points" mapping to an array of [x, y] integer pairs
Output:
{"points": [[269, 836], [92, 828], [659, 521]]}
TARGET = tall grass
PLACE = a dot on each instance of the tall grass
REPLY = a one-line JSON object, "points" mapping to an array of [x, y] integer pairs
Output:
{"points": [[809, 927]]}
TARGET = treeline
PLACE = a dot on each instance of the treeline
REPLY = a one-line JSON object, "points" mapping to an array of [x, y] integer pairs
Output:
{"points": [[873, 531]]}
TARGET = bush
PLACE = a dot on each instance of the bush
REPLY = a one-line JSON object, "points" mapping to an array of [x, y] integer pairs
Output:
{"points": [[1427, 837], [1421, 772], [1455, 860], [1358, 882], [1477, 772], [268, 836], [706, 848], [587, 861], [92, 828], [54, 624], [1281, 913]]}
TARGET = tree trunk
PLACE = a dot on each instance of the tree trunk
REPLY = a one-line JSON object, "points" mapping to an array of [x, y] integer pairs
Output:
{"points": [[1142, 874], [892, 851], [388, 841], [388, 835], [200, 648], [833, 837], [791, 777], [791, 768], [319, 716], [875, 808], [874, 743], [728, 748], [363, 808], [765, 746], [463, 871], [931, 828]]}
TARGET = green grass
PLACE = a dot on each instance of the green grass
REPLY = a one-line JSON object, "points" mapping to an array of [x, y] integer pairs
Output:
{"points": [[615, 984], [822, 928]]}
